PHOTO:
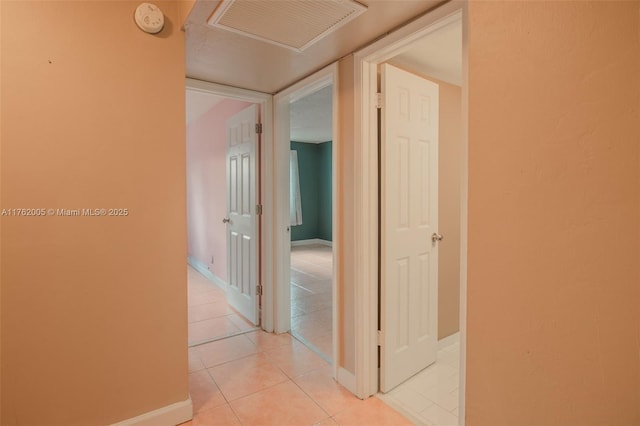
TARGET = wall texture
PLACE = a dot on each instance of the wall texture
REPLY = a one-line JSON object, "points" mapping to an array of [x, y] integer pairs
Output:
{"points": [[1, 221], [553, 273], [314, 169], [94, 309], [207, 186], [449, 169], [346, 222]]}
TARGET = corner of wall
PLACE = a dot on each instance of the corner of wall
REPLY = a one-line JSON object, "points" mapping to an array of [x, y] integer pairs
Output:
{"points": [[185, 7]]}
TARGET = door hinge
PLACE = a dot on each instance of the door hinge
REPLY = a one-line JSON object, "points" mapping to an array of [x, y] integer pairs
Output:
{"points": [[259, 290], [258, 128], [379, 100], [380, 337], [259, 209]]}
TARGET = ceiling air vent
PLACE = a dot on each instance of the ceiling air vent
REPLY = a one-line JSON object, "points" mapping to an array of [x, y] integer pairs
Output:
{"points": [[295, 24]]}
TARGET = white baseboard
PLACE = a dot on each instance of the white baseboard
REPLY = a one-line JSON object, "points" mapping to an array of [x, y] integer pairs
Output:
{"points": [[347, 379], [170, 415], [311, 242], [204, 270], [449, 340]]}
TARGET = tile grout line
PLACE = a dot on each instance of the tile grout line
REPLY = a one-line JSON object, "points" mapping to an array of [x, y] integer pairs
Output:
{"points": [[226, 336], [309, 396]]}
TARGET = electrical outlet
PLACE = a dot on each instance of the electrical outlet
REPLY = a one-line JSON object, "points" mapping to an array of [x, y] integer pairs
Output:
{"points": [[212, 259]]}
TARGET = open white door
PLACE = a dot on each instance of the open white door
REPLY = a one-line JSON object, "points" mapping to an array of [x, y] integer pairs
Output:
{"points": [[409, 225], [242, 221]]}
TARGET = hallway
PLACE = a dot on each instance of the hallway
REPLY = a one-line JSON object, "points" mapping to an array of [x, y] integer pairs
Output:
{"points": [[259, 378]]}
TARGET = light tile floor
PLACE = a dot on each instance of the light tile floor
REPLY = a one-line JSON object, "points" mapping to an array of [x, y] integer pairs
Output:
{"points": [[431, 396], [209, 315], [267, 379], [260, 378], [311, 303]]}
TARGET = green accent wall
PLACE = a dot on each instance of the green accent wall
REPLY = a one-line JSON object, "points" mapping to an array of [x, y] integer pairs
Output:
{"points": [[325, 191], [314, 167]]}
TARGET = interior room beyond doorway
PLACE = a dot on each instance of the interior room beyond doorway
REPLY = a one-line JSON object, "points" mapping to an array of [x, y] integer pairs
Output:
{"points": [[311, 209], [212, 257], [431, 395]]}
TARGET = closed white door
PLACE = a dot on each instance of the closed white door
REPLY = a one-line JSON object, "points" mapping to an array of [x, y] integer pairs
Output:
{"points": [[409, 225], [242, 222]]}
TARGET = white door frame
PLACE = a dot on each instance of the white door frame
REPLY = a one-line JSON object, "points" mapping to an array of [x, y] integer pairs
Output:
{"points": [[267, 256], [366, 191], [323, 78]]}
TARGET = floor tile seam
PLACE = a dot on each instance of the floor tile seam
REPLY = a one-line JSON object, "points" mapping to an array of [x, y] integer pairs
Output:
{"points": [[232, 360], [218, 302], [313, 348], [241, 358], [235, 414], [229, 401], [402, 409], [275, 363], [224, 337], [312, 370], [309, 395], [432, 388], [277, 384], [440, 406], [216, 317], [217, 387]]}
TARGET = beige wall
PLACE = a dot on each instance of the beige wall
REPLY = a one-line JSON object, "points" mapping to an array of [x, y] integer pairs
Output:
{"points": [[346, 222], [1, 135], [450, 157], [185, 7], [93, 308], [553, 273]]}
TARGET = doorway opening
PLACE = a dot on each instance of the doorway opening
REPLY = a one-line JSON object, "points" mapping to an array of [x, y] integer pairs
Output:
{"points": [[310, 206], [308, 241], [223, 211], [432, 50], [422, 380]]}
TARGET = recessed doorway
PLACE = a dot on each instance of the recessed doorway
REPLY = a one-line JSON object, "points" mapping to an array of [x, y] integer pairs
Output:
{"points": [[440, 317], [224, 213], [310, 206]]}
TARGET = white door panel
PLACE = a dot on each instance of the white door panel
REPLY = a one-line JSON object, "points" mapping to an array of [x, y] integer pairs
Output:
{"points": [[242, 225], [409, 217]]}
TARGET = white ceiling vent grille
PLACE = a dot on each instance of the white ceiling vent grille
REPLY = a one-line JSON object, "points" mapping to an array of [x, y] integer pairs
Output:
{"points": [[295, 24]]}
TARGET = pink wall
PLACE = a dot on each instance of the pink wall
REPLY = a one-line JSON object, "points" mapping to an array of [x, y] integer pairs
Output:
{"points": [[207, 186]]}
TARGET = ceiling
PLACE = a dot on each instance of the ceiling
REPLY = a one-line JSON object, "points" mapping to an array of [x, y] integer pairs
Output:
{"points": [[311, 117], [198, 103], [211, 53], [232, 59], [438, 55]]}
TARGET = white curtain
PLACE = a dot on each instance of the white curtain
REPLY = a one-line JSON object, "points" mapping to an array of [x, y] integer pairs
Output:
{"points": [[295, 204]]}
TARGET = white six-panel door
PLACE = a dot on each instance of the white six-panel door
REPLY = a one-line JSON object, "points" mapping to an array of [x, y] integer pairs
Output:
{"points": [[409, 218], [242, 224]]}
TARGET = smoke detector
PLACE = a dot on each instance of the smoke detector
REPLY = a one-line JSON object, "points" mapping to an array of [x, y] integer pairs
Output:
{"points": [[294, 24]]}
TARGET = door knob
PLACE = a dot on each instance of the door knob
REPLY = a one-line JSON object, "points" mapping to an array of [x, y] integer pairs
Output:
{"points": [[226, 220], [436, 237]]}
